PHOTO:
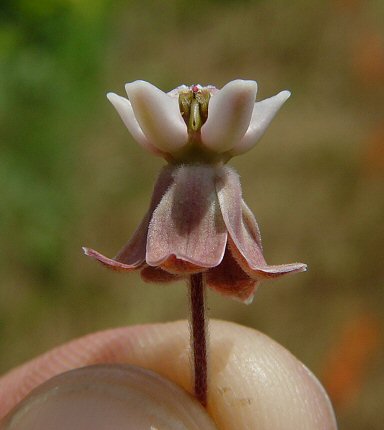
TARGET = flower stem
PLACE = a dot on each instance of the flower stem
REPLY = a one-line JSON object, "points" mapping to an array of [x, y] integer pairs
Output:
{"points": [[198, 336]]}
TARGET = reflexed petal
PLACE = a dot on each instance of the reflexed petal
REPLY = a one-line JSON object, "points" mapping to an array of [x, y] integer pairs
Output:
{"points": [[262, 115], [243, 239], [275, 271], [109, 262], [124, 109], [132, 256], [263, 271], [187, 233], [158, 115], [231, 203], [251, 224], [134, 251], [229, 115], [230, 280]]}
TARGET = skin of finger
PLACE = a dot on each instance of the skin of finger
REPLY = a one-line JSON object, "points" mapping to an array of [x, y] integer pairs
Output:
{"points": [[253, 381]]}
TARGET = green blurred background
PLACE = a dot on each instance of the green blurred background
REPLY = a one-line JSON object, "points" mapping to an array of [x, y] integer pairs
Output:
{"points": [[71, 175]]}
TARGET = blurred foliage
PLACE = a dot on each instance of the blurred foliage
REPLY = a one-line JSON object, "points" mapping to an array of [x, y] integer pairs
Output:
{"points": [[71, 175]]}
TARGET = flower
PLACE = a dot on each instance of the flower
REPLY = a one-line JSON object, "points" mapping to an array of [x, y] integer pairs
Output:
{"points": [[197, 220]]}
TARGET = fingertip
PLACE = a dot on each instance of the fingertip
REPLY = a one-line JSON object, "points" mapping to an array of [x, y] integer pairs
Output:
{"points": [[257, 383], [108, 396]]}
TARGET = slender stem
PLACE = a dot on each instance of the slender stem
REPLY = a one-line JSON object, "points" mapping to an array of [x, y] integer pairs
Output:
{"points": [[198, 336]]}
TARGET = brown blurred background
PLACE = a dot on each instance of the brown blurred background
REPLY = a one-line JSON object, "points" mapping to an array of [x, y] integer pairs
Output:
{"points": [[71, 175]]}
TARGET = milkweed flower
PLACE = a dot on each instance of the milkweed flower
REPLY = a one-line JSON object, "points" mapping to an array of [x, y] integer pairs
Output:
{"points": [[197, 221]]}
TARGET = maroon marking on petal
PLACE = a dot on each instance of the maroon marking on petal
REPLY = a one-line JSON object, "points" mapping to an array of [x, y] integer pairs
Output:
{"points": [[158, 275], [230, 280], [109, 262]]}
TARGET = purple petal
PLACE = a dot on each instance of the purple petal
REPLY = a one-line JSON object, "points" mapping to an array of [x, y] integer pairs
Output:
{"points": [[229, 279], [187, 233], [230, 198], [251, 224], [229, 115], [109, 262], [244, 237], [265, 271], [132, 256], [134, 251]]}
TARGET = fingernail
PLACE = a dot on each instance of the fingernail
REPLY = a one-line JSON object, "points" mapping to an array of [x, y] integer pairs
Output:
{"points": [[108, 397]]}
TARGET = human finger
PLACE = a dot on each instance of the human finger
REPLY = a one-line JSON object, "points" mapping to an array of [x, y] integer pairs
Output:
{"points": [[253, 381]]}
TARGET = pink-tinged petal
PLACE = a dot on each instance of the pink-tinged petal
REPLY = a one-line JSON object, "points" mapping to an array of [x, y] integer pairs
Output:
{"points": [[275, 271], [124, 109], [243, 239], [132, 256], [158, 115], [263, 113], [158, 275], [133, 253], [229, 115], [187, 233], [109, 262], [251, 224], [263, 271], [229, 193], [230, 280], [135, 250]]}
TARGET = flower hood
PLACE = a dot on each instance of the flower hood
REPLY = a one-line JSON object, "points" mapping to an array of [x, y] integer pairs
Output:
{"points": [[228, 121]]}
